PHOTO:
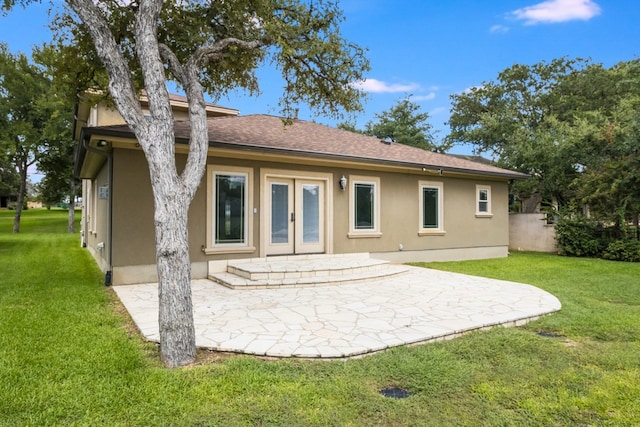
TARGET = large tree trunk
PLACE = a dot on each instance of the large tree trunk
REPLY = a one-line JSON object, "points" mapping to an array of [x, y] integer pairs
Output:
{"points": [[175, 316], [172, 193], [531, 204], [172, 198]]}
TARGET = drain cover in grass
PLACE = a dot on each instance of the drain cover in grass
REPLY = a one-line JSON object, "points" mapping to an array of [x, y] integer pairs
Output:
{"points": [[395, 392]]}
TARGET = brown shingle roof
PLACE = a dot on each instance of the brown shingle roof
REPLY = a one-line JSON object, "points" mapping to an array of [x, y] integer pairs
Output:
{"points": [[268, 133]]}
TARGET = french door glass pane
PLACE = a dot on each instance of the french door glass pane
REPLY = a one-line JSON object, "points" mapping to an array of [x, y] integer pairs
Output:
{"points": [[364, 209], [230, 209], [310, 213], [429, 207], [279, 213]]}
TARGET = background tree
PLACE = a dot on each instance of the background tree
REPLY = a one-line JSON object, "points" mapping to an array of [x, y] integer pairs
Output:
{"points": [[9, 179], [24, 111], [404, 124], [212, 47], [515, 119], [610, 183], [349, 126], [56, 161], [542, 120], [570, 124]]}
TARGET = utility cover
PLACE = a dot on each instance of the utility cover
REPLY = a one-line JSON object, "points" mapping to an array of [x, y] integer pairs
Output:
{"points": [[395, 392]]}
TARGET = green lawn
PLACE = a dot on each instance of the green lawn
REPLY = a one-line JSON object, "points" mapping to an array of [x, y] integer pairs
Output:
{"points": [[69, 355]]}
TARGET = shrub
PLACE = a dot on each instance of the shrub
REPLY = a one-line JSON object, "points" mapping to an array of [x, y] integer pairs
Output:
{"points": [[578, 237], [623, 250]]}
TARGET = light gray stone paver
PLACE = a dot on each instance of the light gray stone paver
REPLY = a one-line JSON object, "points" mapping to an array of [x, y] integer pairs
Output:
{"points": [[283, 349], [334, 321]]}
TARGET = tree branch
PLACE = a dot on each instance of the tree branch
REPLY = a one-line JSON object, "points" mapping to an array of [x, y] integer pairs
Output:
{"points": [[107, 49], [204, 54], [173, 62], [148, 52]]}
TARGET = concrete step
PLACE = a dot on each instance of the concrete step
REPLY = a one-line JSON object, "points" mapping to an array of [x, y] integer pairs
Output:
{"points": [[305, 270], [304, 267]]}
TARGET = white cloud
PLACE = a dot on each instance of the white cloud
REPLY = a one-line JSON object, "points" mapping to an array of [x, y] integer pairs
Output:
{"points": [[427, 97], [501, 29], [377, 86], [554, 11]]}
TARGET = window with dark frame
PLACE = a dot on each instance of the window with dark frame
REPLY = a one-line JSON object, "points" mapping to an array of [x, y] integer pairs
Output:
{"points": [[483, 200], [364, 218], [430, 208], [230, 209]]}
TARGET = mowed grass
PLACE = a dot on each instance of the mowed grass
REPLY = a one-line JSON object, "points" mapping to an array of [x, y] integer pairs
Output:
{"points": [[69, 355]]}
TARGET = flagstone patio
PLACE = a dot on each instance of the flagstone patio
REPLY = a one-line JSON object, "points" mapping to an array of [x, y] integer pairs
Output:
{"points": [[346, 318]]}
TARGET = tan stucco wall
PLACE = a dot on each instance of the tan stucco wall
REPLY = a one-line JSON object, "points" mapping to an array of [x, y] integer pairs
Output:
{"points": [[466, 235], [133, 224], [530, 232], [95, 221], [399, 204], [102, 115]]}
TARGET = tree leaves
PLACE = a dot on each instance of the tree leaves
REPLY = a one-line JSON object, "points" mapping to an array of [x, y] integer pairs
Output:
{"points": [[569, 123], [30, 119], [402, 123]]}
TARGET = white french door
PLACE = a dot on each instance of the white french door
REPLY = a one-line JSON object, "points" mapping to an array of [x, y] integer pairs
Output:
{"points": [[296, 211]]}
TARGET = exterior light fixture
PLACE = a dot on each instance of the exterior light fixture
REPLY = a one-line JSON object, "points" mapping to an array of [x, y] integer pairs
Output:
{"points": [[102, 143], [439, 171], [343, 183]]}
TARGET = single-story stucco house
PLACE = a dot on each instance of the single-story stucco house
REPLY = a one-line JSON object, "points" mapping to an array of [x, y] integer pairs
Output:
{"points": [[271, 189]]}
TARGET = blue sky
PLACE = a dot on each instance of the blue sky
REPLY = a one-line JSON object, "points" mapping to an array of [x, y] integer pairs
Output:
{"points": [[434, 48]]}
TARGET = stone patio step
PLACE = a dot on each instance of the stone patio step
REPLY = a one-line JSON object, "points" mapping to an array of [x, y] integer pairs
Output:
{"points": [[305, 270], [292, 267]]}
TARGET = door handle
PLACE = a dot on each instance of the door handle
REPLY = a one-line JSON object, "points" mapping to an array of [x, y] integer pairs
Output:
{"points": [[293, 217]]}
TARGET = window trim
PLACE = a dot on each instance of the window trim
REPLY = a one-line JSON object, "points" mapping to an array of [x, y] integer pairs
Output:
{"points": [[488, 213], [93, 212], [368, 233], [216, 248], [87, 201], [440, 231]]}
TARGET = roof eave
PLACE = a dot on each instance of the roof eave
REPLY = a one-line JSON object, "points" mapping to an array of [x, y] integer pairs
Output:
{"points": [[88, 132], [361, 159]]}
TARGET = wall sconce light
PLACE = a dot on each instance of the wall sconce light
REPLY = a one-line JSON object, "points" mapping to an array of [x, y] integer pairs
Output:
{"points": [[343, 183], [102, 143]]}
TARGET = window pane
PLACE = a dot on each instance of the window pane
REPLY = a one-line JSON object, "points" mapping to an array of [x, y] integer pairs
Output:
{"points": [[279, 213], [483, 200], [230, 209], [310, 213], [364, 209], [430, 207]]}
